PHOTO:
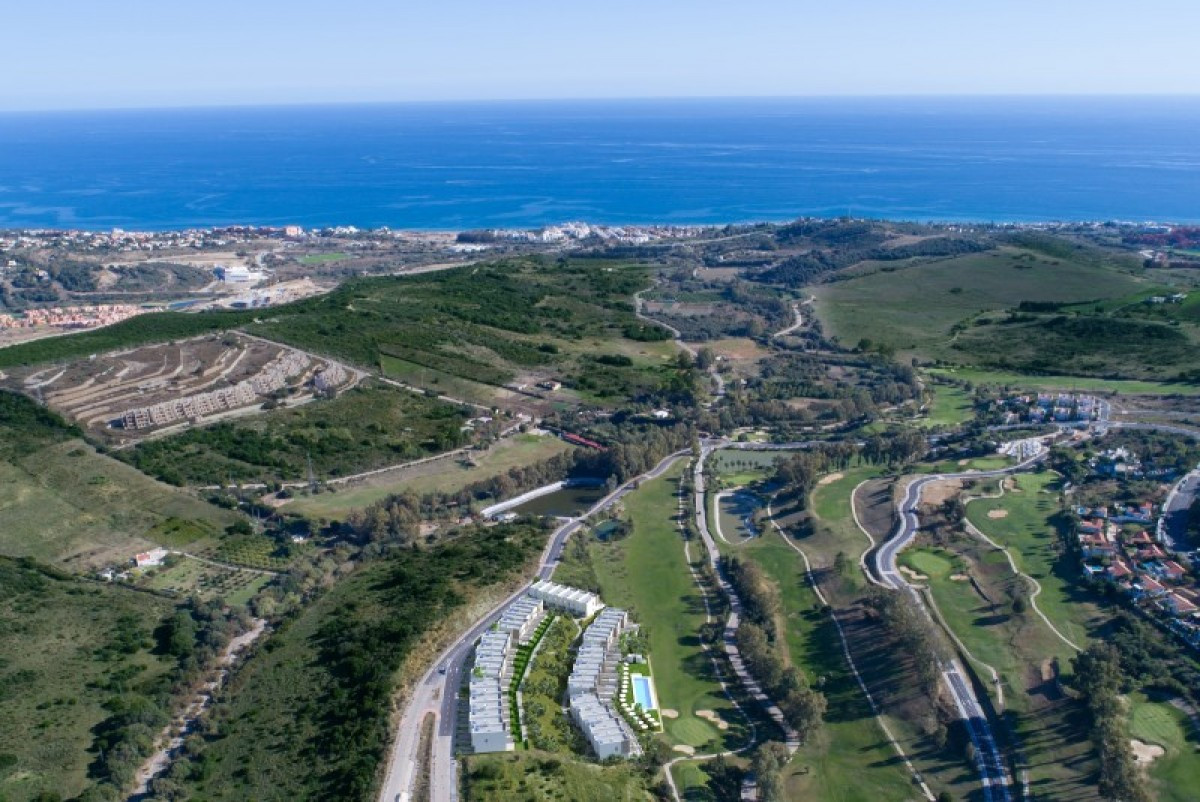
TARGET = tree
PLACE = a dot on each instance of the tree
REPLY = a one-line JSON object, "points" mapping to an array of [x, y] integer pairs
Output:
{"points": [[767, 764]]}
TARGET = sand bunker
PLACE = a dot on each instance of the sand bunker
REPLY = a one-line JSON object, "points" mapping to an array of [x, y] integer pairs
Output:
{"points": [[668, 713], [911, 574], [1143, 753], [997, 513], [830, 479], [959, 578], [685, 749], [713, 719]]}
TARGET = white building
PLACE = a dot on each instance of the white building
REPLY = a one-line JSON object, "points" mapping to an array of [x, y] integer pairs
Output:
{"points": [[150, 558], [593, 683], [576, 602], [488, 708], [522, 617], [603, 728]]}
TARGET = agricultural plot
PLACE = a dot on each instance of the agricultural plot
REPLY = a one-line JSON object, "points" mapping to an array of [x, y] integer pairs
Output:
{"points": [[187, 577]]}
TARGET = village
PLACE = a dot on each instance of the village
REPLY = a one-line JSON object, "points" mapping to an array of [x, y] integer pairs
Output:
{"points": [[1126, 545]]}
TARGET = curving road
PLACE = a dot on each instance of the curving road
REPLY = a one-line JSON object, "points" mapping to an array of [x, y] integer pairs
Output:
{"points": [[436, 692], [992, 770]]}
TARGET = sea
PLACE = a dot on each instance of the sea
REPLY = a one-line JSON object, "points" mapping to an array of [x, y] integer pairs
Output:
{"points": [[446, 166]]}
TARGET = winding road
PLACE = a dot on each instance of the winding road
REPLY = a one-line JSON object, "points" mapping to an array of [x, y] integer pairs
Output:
{"points": [[436, 692]]}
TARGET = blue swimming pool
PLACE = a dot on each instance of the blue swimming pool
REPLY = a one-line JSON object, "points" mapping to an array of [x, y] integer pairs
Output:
{"points": [[643, 694]]}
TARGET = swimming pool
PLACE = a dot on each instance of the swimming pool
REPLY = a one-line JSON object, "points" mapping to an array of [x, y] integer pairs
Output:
{"points": [[643, 692]]}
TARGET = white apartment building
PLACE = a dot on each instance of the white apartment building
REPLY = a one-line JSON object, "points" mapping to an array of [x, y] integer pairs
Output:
{"points": [[576, 602]]}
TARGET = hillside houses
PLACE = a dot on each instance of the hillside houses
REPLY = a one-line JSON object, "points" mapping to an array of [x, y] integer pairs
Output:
{"points": [[1134, 563]]}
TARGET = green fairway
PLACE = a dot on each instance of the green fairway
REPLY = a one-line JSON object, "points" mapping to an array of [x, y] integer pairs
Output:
{"points": [[951, 406], [1025, 652], [848, 759], [446, 476], [914, 308], [1175, 775], [1075, 383], [1028, 529], [647, 574]]}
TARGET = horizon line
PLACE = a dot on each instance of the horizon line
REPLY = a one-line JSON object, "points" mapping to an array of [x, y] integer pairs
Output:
{"points": [[604, 99]]}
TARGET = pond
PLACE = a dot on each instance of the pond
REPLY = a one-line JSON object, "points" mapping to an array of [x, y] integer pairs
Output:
{"points": [[565, 503]]}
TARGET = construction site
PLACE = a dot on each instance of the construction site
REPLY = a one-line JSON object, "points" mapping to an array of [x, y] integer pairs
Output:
{"points": [[125, 396]]}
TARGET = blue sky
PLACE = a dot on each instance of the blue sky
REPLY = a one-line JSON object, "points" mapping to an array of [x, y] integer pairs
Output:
{"points": [[85, 54]]}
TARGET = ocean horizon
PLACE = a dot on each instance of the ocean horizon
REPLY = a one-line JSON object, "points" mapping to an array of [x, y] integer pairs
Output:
{"points": [[525, 164]]}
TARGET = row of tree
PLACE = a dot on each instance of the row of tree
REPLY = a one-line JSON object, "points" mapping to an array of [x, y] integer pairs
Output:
{"points": [[759, 642], [1099, 677]]}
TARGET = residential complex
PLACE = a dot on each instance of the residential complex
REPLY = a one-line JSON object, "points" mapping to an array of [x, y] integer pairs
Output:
{"points": [[274, 376], [593, 684], [491, 674], [488, 714], [572, 600]]}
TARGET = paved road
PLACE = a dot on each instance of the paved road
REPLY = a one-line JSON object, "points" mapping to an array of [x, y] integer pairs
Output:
{"points": [[1172, 526], [993, 772], [729, 636], [436, 692]]}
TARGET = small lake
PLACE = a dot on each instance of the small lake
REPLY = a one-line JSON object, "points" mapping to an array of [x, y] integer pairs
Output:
{"points": [[565, 503]]}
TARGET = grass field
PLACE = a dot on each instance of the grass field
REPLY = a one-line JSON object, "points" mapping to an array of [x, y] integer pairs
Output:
{"points": [[1030, 534], [915, 308], [738, 468], [1052, 728], [543, 777], [322, 258], [1174, 776], [647, 574], [1079, 383], [69, 505], [446, 475], [951, 406], [848, 760], [66, 647]]}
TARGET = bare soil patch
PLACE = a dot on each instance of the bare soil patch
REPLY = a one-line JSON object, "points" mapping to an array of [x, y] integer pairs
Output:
{"points": [[936, 493]]}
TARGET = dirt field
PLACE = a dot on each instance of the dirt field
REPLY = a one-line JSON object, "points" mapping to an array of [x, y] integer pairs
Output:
{"points": [[936, 493]]}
